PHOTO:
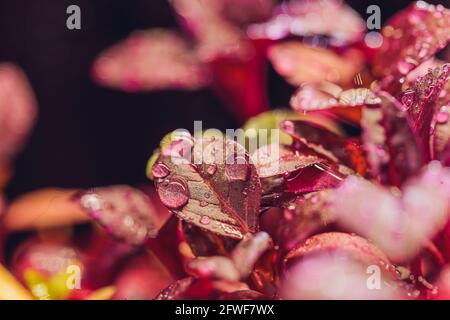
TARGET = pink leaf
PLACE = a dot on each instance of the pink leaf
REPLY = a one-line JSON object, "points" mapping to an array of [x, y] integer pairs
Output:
{"points": [[151, 60], [125, 212], [398, 221]]}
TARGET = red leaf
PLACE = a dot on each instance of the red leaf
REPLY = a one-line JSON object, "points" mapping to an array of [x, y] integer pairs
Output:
{"points": [[248, 251], [151, 60], [285, 171], [299, 219], [327, 143], [238, 266], [278, 160], [243, 295], [393, 150], [421, 101], [411, 37]]}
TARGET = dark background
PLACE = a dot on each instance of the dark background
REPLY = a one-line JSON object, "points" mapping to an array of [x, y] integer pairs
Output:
{"points": [[87, 135]]}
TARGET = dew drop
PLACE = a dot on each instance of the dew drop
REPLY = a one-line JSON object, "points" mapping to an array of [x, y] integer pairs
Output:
{"points": [[173, 193], [442, 117], [211, 169], [205, 220], [160, 170]]}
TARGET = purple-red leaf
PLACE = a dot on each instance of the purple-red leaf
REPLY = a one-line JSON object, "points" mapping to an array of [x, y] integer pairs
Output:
{"points": [[125, 212], [327, 143], [299, 63], [421, 101], [215, 186], [311, 18], [248, 251], [215, 34], [393, 149]]}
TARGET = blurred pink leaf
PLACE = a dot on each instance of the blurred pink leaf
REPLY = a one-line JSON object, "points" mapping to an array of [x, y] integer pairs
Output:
{"points": [[421, 101], [151, 60], [238, 265], [393, 149], [398, 221], [18, 110], [142, 278], [411, 37], [298, 219]]}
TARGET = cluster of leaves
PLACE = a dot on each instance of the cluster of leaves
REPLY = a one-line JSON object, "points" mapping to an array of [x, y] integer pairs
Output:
{"points": [[334, 204]]}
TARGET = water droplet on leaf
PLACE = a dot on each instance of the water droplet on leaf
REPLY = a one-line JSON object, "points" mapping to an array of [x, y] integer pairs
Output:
{"points": [[173, 193]]}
